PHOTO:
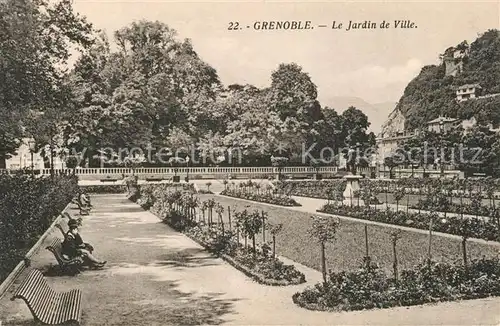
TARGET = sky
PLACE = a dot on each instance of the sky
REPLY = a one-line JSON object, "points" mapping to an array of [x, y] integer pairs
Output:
{"points": [[373, 64]]}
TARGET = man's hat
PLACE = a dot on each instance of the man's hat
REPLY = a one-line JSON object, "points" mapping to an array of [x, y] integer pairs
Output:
{"points": [[73, 223]]}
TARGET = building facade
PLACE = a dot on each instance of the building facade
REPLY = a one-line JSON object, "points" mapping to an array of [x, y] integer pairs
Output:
{"points": [[23, 158], [468, 92]]}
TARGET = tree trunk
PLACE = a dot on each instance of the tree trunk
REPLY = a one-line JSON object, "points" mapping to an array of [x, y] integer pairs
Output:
{"points": [[323, 263], [274, 246], [429, 249], [387, 197], [367, 253], [254, 247], [395, 263], [51, 155], [263, 227], [407, 202], [464, 252], [229, 216]]}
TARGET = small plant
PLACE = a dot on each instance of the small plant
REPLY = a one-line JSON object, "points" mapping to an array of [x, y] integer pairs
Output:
{"points": [[395, 236], [324, 230], [274, 229]]}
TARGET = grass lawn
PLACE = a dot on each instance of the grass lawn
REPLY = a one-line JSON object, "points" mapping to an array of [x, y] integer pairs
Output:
{"points": [[349, 248]]}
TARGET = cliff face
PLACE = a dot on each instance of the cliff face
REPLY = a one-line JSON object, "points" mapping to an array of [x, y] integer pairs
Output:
{"points": [[433, 91]]}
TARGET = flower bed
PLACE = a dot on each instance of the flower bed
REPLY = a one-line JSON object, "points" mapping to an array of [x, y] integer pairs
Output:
{"points": [[263, 198], [263, 268], [205, 192], [332, 189], [369, 287], [327, 189], [475, 228], [28, 205], [450, 207], [147, 195], [104, 189]]}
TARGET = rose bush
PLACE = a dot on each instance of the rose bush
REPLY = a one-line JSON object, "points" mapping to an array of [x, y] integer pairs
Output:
{"points": [[369, 287], [478, 228]]}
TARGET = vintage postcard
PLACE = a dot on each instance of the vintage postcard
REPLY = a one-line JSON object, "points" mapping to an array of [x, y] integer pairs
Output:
{"points": [[249, 162]]}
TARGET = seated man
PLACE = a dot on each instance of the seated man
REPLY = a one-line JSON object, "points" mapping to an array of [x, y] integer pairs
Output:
{"points": [[85, 199], [74, 246]]}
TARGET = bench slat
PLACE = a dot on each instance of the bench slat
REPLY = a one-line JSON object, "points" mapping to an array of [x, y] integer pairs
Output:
{"points": [[46, 305], [57, 316], [74, 310], [39, 299], [64, 311]]}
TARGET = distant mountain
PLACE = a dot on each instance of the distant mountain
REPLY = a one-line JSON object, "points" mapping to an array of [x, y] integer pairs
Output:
{"points": [[377, 113]]}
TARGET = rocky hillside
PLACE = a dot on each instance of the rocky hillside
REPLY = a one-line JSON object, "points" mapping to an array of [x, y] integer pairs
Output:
{"points": [[433, 91]]}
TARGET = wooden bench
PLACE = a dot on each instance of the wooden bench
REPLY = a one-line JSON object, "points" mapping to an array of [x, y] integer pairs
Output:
{"points": [[70, 266], [63, 232], [84, 207], [109, 180], [46, 305], [154, 179]]}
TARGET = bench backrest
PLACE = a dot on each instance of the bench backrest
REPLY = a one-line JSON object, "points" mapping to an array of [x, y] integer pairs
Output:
{"points": [[59, 226], [56, 248], [45, 304], [36, 292], [33, 286]]}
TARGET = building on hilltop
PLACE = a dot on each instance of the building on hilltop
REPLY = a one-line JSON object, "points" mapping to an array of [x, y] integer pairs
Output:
{"points": [[442, 124], [468, 91], [453, 59]]}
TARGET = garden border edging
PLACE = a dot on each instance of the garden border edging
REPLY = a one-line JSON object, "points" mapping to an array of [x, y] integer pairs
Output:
{"points": [[26, 262]]}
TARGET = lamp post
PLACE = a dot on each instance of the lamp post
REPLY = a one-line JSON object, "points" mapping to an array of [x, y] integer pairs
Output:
{"points": [[32, 147], [187, 168]]}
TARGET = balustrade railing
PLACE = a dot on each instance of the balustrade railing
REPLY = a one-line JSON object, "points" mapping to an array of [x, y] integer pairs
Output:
{"points": [[187, 170]]}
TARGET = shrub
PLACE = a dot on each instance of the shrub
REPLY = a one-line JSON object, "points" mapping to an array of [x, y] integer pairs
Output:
{"points": [[28, 205], [262, 197], [477, 228], [369, 287]]}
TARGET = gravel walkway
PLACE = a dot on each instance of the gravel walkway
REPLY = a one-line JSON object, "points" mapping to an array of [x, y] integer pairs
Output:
{"points": [[156, 276]]}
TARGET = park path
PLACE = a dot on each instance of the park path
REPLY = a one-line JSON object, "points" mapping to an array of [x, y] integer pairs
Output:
{"points": [[156, 276]]}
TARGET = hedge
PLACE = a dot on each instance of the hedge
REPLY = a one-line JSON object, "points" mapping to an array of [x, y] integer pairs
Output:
{"points": [[28, 205]]}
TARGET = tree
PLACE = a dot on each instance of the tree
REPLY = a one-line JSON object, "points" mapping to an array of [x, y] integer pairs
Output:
{"points": [[480, 150], [395, 159], [293, 96], [466, 229], [324, 229], [357, 141], [250, 224], [35, 42]]}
